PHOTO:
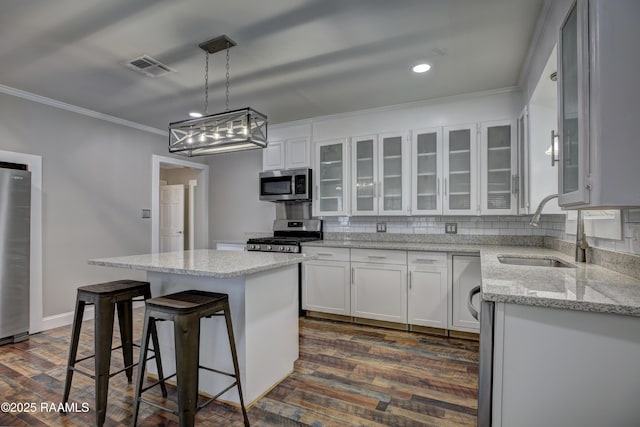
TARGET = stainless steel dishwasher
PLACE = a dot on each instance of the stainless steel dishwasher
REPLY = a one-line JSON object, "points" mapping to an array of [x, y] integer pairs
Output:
{"points": [[485, 372]]}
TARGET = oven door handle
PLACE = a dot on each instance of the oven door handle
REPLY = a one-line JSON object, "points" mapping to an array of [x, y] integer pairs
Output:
{"points": [[472, 293]]}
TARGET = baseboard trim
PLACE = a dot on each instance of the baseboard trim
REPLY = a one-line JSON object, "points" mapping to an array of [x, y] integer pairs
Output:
{"points": [[66, 319]]}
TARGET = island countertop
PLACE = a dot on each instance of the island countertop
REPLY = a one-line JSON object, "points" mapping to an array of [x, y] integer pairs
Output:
{"points": [[205, 262]]}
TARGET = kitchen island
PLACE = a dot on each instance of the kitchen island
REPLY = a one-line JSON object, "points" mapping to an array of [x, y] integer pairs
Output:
{"points": [[263, 296]]}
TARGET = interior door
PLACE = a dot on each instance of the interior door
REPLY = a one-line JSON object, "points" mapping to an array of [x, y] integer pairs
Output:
{"points": [[171, 218]]}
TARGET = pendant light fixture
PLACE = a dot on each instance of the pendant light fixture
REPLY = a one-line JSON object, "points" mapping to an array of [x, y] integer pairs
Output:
{"points": [[231, 130]]}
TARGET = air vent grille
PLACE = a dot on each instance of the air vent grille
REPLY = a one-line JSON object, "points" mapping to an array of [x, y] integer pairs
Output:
{"points": [[148, 66]]}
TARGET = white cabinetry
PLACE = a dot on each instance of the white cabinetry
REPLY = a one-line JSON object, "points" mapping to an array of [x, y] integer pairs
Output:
{"points": [[426, 171], [379, 169], [293, 153], [326, 281], [466, 275], [379, 285], [460, 169], [555, 367], [330, 177], [428, 285], [598, 113], [499, 165]]}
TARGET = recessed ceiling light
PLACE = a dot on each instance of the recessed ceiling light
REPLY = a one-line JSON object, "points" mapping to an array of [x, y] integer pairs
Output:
{"points": [[195, 114], [421, 68]]}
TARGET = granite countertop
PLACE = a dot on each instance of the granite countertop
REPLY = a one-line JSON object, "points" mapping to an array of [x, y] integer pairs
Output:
{"points": [[587, 287], [205, 262]]}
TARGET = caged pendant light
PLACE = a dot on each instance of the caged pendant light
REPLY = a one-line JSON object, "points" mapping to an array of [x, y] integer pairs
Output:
{"points": [[231, 130]]}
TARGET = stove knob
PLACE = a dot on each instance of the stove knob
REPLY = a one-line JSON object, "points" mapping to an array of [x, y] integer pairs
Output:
{"points": [[288, 248], [268, 247], [281, 248]]}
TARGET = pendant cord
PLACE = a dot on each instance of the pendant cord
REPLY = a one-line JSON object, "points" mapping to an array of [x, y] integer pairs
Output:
{"points": [[227, 89], [206, 84]]}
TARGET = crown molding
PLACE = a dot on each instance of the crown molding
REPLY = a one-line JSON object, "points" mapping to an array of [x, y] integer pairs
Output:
{"points": [[79, 110]]}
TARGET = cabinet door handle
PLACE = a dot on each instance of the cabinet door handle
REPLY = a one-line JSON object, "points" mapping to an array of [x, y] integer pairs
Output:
{"points": [[353, 276], [438, 186], [515, 181], [410, 279], [379, 187], [324, 254], [376, 257], [317, 192], [445, 187], [424, 260]]}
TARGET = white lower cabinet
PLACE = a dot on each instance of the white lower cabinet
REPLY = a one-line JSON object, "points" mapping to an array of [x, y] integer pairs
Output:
{"points": [[379, 291], [465, 275], [428, 289], [409, 287], [326, 281]]}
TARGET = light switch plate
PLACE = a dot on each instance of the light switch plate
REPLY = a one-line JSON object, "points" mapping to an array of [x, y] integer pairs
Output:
{"points": [[451, 227], [381, 227]]}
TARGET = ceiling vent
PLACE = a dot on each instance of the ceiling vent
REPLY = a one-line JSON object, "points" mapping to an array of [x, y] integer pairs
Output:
{"points": [[148, 66]]}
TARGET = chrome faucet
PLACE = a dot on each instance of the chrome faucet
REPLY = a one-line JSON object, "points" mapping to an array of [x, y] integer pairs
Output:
{"points": [[581, 239], [535, 220]]}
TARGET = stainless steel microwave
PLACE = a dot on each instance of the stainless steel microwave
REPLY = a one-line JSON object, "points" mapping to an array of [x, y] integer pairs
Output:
{"points": [[285, 185]]}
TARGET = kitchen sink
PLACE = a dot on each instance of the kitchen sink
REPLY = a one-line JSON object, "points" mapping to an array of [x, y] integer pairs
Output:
{"points": [[535, 262]]}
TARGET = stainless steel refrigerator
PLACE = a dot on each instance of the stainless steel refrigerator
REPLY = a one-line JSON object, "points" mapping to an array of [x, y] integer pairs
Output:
{"points": [[15, 213]]}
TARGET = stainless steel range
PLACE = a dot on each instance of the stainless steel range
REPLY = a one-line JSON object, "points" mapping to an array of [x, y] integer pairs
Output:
{"points": [[287, 236]]}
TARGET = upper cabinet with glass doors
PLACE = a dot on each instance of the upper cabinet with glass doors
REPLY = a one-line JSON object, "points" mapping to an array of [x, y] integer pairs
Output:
{"points": [[330, 175], [499, 180], [460, 167], [598, 114], [379, 174], [426, 171]]}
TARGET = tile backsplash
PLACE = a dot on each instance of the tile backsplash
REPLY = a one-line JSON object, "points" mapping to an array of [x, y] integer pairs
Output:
{"points": [[550, 226]]}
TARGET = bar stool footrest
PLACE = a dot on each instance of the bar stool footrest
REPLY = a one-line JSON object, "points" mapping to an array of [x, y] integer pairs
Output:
{"points": [[217, 371], [216, 396]]}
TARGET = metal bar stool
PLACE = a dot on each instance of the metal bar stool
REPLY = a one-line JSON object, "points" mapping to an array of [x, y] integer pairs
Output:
{"points": [[106, 297], [186, 309]]}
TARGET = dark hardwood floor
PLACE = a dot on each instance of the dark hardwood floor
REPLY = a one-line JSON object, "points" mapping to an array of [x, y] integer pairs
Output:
{"points": [[346, 375]]}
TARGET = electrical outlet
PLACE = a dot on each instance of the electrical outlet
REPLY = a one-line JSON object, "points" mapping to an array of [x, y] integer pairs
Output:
{"points": [[146, 213], [381, 227], [451, 227]]}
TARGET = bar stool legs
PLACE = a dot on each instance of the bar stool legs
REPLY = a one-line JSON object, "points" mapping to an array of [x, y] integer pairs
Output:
{"points": [[186, 309], [106, 297], [236, 368]]}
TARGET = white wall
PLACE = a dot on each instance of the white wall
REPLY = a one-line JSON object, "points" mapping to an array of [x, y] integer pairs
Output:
{"points": [[455, 110], [234, 204], [543, 178], [96, 181]]}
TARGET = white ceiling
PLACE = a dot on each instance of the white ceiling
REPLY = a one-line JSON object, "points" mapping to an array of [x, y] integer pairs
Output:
{"points": [[294, 58]]}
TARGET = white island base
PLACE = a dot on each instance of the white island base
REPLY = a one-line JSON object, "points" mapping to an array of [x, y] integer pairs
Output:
{"points": [[264, 311]]}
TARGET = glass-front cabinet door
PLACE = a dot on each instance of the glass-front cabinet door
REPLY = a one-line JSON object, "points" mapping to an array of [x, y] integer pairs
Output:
{"points": [[426, 159], [364, 169], [460, 170], [498, 168], [573, 109], [393, 154], [330, 174]]}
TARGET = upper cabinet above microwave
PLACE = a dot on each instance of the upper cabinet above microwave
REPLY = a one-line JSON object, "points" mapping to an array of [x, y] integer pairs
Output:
{"points": [[598, 112]]}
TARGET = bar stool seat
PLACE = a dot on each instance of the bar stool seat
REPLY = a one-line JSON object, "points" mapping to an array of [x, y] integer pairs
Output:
{"points": [[185, 309], [106, 297]]}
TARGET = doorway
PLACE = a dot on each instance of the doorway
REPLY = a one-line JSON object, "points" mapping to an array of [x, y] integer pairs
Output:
{"points": [[180, 206]]}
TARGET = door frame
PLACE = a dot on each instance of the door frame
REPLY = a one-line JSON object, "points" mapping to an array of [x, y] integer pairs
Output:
{"points": [[203, 224]]}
